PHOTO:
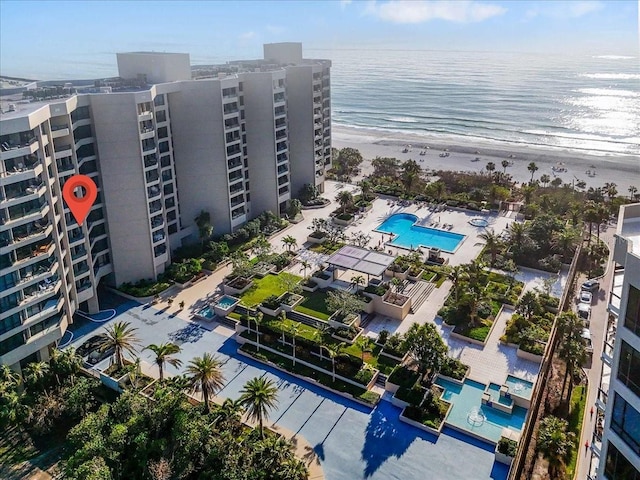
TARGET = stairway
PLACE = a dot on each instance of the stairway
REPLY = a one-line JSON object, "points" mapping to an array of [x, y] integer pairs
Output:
{"points": [[381, 380], [419, 293]]}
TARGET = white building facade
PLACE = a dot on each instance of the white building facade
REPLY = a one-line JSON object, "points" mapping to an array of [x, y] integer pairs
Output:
{"points": [[236, 140]]}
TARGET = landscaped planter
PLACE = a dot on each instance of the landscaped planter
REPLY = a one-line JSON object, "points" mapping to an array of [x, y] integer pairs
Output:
{"points": [[307, 288], [324, 282], [393, 356], [346, 340], [415, 278], [269, 311], [316, 240], [399, 403], [237, 286], [421, 426], [348, 321], [391, 387], [397, 274], [454, 380], [368, 307], [264, 270], [460, 336], [529, 356], [502, 458], [343, 223], [292, 299], [112, 383]]}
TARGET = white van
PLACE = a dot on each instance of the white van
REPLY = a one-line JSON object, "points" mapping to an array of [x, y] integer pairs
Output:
{"points": [[584, 312], [586, 337]]}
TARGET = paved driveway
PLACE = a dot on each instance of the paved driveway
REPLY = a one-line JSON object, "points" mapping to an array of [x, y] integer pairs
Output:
{"points": [[351, 441]]}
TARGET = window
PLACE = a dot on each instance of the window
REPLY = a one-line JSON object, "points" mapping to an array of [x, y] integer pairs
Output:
{"points": [[168, 188], [167, 175], [39, 327], [629, 368], [82, 132], [163, 132], [9, 323], [159, 100], [165, 161], [230, 107], [173, 229], [171, 216], [229, 92], [632, 315], [11, 343], [170, 202], [80, 113], [617, 467], [164, 147], [161, 116], [625, 421]]}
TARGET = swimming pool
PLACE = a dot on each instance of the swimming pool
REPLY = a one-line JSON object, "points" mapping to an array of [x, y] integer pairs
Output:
{"points": [[469, 415], [226, 302], [409, 235], [207, 313], [518, 386]]}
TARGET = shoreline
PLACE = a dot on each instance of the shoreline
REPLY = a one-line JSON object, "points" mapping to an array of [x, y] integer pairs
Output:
{"points": [[623, 170]]}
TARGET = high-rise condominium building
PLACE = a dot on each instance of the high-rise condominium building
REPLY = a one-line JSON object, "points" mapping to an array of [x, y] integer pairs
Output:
{"points": [[616, 439], [163, 142]]}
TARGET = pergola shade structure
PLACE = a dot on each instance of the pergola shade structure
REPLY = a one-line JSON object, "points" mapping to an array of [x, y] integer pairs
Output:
{"points": [[361, 260]]}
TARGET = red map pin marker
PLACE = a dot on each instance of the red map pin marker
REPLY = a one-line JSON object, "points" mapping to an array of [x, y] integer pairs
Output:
{"points": [[80, 192]]}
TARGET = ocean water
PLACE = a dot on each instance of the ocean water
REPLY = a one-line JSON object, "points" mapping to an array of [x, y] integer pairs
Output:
{"points": [[585, 103]]}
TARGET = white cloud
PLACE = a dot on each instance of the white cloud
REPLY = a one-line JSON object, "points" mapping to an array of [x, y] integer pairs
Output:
{"points": [[274, 29], [572, 9], [247, 35], [404, 11]]}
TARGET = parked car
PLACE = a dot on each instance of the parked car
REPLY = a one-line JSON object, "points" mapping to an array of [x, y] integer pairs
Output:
{"points": [[586, 297], [586, 337], [591, 286], [98, 355], [584, 312], [87, 347]]}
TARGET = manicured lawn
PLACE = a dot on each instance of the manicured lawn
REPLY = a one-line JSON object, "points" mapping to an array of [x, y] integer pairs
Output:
{"points": [[266, 286], [314, 304], [381, 362], [578, 404]]}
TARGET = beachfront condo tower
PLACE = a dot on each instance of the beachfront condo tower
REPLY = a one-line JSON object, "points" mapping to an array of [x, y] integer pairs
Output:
{"points": [[162, 141], [615, 445]]}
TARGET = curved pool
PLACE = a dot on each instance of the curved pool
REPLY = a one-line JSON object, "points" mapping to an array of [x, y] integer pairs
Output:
{"points": [[409, 235]]}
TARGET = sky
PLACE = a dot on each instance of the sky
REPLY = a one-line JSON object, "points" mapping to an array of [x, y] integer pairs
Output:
{"points": [[77, 39]]}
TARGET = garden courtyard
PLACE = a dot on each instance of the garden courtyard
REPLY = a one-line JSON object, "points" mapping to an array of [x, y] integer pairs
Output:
{"points": [[352, 441]]}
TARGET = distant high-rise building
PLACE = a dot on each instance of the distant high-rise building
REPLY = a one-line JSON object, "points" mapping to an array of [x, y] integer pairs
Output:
{"points": [[616, 439], [163, 142]]}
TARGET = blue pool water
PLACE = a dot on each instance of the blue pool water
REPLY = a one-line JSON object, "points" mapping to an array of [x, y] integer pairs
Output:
{"points": [[206, 312], [518, 386], [494, 391], [226, 302], [409, 235], [469, 415]]}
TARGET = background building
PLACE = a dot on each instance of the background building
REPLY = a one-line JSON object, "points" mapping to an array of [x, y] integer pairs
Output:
{"points": [[162, 144], [616, 439]]}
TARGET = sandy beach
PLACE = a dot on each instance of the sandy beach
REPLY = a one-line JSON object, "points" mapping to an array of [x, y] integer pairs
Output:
{"points": [[623, 171]]}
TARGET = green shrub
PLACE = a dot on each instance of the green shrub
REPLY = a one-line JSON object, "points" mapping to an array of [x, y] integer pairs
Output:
{"points": [[144, 288], [364, 376], [413, 395], [507, 446], [403, 376], [454, 368]]}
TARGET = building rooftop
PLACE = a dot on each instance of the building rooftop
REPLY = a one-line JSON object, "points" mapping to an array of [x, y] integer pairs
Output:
{"points": [[629, 226]]}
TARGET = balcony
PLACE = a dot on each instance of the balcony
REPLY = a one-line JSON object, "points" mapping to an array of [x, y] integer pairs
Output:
{"points": [[18, 148], [45, 288], [58, 131], [63, 150], [78, 254], [27, 238], [158, 237], [144, 115], [26, 216]]}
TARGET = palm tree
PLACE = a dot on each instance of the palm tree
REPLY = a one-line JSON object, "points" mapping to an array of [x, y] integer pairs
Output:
{"points": [[66, 363], [396, 283], [490, 167], [230, 410], [364, 345], [591, 216], [294, 332], [505, 164], [492, 242], [554, 442], [258, 318], [633, 190], [564, 241], [517, 235], [289, 242], [611, 190], [357, 281], [164, 353], [366, 189], [259, 396], [345, 199], [294, 469], [320, 337], [9, 377], [36, 373], [12, 408], [571, 348], [545, 179], [204, 375], [205, 229], [305, 265], [457, 275], [533, 168], [334, 351]]}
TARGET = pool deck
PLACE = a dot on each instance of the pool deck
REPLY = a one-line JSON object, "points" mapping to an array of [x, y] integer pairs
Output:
{"points": [[351, 441]]}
